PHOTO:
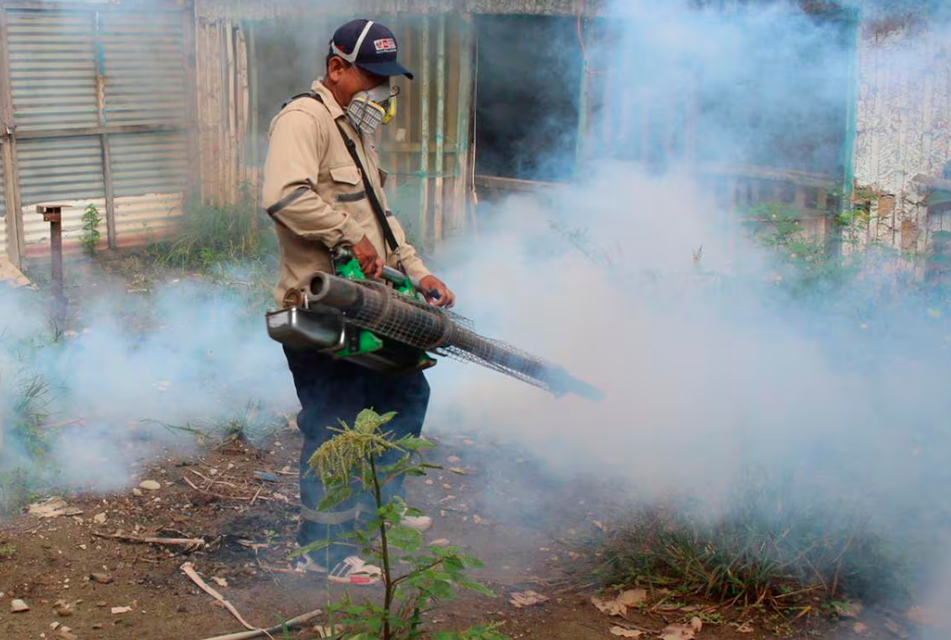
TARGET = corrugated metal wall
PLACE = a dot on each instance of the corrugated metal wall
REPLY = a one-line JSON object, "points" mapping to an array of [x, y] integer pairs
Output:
{"points": [[904, 129], [146, 85], [52, 69], [101, 105], [148, 174], [65, 171], [53, 85], [3, 212]]}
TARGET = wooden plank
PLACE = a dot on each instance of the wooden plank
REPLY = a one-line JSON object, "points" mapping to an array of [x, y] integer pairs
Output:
{"points": [[11, 275], [128, 6], [768, 173], [96, 131], [515, 184], [191, 75], [110, 191]]}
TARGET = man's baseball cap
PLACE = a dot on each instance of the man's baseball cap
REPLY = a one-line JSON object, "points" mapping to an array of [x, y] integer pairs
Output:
{"points": [[368, 45]]}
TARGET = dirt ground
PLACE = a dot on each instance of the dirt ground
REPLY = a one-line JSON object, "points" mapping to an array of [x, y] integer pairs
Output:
{"points": [[73, 573], [85, 571]]}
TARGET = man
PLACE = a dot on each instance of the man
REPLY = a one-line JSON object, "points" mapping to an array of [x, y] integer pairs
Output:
{"points": [[323, 188]]}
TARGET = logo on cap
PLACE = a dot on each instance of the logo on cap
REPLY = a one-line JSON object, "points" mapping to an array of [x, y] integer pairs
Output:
{"points": [[385, 45]]}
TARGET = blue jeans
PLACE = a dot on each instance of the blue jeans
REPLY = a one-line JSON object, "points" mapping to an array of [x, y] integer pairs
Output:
{"points": [[332, 390]]}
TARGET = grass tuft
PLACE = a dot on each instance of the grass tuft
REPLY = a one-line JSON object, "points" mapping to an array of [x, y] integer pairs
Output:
{"points": [[761, 554], [210, 235], [250, 426]]}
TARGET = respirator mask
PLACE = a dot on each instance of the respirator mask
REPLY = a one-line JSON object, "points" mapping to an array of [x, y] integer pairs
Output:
{"points": [[369, 109]]}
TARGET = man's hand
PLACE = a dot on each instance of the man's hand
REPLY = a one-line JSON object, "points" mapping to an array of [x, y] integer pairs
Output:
{"points": [[370, 261], [442, 297]]}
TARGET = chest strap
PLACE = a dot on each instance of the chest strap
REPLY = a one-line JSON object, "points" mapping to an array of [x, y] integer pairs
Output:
{"points": [[371, 192]]}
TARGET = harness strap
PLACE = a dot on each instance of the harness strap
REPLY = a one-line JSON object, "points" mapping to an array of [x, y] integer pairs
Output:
{"points": [[371, 192]]}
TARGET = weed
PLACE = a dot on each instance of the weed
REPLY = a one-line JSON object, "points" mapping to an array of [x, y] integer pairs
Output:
{"points": [[249, 426], [30, 414], [210, 235], [7, 551], [90, 236], [765, 552], [352, 458]]}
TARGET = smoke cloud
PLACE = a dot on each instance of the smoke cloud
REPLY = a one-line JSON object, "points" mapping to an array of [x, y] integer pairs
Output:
{"points": [[711, 366], [643, 288], [132, 375]]}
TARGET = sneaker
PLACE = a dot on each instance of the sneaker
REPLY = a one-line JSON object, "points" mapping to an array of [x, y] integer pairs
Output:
{"points": [[306, 564], [353, 571]]}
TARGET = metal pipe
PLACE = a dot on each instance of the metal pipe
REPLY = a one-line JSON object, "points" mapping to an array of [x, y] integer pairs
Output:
{"points": [[424, 134], [377, 308], [54, 215], [440, 119]]}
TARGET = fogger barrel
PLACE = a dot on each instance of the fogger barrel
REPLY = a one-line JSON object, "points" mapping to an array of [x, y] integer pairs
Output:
{"points": [[374, 306]]}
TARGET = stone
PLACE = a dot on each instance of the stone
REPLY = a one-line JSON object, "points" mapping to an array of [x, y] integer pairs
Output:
{"points": [[18, 606]]}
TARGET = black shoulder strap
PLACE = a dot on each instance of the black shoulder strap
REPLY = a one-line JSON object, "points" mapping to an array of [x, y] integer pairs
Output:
{"points": [[371, 192]]}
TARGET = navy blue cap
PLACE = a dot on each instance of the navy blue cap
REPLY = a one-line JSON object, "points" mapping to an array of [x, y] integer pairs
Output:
{"points": [[368, 45]]}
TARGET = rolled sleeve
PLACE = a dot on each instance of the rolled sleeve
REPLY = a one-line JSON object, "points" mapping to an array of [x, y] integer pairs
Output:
{"points": [[290, 173]]}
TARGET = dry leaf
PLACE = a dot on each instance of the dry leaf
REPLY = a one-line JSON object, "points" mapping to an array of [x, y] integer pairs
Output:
{"points": [[633, 597], [610, 607], [746, 627], [696, 623], [527, 599], [626, 633], [53, 508], [680, 631], [121, 609], [859, 629], [895, 629], [849, 609]]}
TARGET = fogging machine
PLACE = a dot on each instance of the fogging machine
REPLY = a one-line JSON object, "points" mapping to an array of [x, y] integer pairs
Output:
{"points": [[387, 324]]}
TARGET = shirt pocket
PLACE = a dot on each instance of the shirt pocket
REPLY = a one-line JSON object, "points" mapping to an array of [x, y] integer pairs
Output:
{"points": [[348, 186]]}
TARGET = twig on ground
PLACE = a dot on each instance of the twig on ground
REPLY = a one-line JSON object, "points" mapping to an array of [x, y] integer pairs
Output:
{"points": [[220, 496], [192, 544], [211, 482], [189, 570], [293, 623]]}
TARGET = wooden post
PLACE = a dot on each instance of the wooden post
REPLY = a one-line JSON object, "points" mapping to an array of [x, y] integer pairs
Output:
{"points": [[424, 136], [440, 129], [463, 122], [105, 154], [192, 126], [8, 147]]}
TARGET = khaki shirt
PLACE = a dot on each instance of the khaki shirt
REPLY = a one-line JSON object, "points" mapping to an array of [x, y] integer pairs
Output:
{"points": [[315, 194]]}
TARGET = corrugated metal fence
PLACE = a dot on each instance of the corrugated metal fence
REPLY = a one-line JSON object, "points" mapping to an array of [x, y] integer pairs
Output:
{"points": [[97, 103]]}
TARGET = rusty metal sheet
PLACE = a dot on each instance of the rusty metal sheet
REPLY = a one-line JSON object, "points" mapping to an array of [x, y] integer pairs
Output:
{"points": [[150, 174], [3, 213], [55, 171], [143, 56], [52, 69]]}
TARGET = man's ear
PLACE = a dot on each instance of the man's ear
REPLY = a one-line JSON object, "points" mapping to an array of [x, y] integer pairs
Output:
{"points": [[335, 68]]}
